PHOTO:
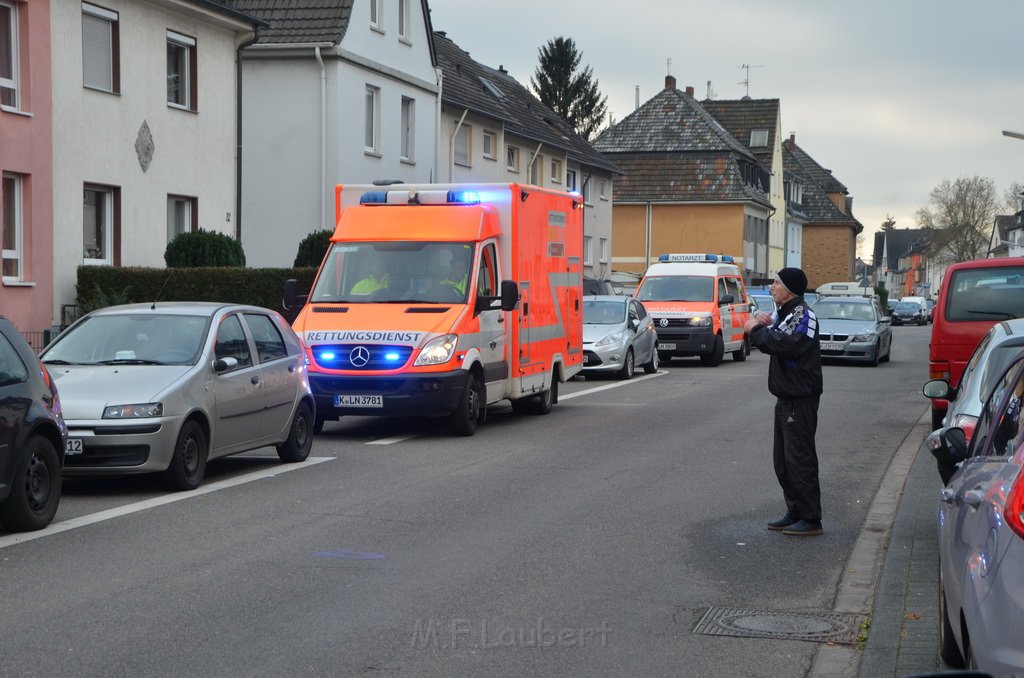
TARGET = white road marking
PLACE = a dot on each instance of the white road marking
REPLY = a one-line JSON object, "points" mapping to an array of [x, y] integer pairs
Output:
{"points": [[394, 439], [127, 509], [597, 389]]}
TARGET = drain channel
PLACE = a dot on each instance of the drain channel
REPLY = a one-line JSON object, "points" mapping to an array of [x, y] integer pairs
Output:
{"points": [[822, 627]]}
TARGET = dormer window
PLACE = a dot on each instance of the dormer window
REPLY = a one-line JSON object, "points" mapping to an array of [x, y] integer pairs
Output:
{"points": [[492, 88], [758, 138]]}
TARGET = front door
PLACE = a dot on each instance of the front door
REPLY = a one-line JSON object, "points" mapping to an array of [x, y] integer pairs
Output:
{"points": [[237, 390]]}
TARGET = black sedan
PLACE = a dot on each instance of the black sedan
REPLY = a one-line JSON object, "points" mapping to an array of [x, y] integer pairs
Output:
{"points": [[909, 313], [32, 436]]}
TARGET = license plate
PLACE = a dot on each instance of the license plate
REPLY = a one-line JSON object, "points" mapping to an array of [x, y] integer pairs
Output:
{"points": [[662, 346], [73, 446], [359, 401], [832, 346]]}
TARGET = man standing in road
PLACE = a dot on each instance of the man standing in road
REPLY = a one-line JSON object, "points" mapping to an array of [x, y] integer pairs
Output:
{"points": [[794, 377]]}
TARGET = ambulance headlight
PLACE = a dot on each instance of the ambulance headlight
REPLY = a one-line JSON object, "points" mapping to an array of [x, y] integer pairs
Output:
{"points": [[613, 338], [700, 321], [438, 351]]}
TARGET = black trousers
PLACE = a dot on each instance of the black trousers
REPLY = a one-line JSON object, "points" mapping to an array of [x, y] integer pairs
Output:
{"points": [[796, 458]]}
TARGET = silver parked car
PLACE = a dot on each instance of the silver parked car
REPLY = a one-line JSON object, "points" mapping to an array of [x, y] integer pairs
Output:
{"points": [[165, 387], [618, 335], [853, 329], [981, 534]]}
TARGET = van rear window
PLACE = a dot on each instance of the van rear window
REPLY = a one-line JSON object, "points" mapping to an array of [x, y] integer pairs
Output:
{"points": [[986, 294]]}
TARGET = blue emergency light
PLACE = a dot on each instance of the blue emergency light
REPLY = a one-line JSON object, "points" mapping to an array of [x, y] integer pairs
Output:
{"points": [[695, 258], [439, 197]]}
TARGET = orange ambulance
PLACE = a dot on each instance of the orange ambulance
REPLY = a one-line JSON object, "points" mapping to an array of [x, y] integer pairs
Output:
{"points": [[698, 303], [440, 300]]}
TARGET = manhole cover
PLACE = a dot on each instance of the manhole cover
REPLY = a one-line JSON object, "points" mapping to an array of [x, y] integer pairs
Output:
{"points": [[831, 627]]}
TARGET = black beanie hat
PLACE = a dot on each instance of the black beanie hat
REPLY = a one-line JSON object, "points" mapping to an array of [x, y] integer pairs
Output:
{"points": [[794, 280]]}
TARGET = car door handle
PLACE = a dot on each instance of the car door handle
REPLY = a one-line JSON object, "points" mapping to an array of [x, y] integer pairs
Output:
{"points": [[254, 379], [973, 498], [947, 495], [493, 344]]}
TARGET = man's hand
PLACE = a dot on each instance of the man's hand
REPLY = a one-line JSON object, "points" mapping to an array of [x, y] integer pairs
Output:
{"points": [[757, 320]]}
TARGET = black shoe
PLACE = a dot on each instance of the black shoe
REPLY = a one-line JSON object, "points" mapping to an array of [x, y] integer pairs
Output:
{"points": [[804, 528], [781, 523]]}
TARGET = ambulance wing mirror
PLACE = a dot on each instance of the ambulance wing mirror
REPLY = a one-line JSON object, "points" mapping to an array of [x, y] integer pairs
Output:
{"points": [[291, 299], [506, 301]]}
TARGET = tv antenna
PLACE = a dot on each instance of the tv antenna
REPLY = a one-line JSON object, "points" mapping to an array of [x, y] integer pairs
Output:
{"points": [[746, 77]]}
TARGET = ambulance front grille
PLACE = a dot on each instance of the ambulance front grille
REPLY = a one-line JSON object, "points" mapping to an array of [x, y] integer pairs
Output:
{"points": [[361, 356]]}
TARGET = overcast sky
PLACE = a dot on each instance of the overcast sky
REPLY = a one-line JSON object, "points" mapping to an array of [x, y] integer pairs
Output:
{"points": [[893, 96]]}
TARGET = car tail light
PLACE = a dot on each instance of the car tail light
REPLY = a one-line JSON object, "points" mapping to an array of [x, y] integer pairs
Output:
{"points": [[1013, 511], [966, 422], [939, 371]]}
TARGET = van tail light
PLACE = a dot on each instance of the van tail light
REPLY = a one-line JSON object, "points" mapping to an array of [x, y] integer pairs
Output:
{"points": [[966, 422], [1013, 511], [939, 371]]}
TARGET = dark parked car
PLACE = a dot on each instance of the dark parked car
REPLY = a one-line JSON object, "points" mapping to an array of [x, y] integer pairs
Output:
{"points": [[594, 286], [909, 313], [32, 436]]}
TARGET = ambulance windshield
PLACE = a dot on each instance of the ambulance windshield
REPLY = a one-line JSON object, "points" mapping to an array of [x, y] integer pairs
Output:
{"points": [[677, 288], [395, 272]]}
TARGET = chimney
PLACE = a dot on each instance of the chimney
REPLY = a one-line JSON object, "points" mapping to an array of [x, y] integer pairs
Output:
{"points": [[792, 140], [670, 82], [501, 69], [689, 90]]}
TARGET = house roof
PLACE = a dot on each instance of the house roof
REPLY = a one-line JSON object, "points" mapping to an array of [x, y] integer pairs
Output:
{"points": [[297, 22], [898, 241], [226, 8], [817, 183], [741, 116], [495, 94], [671, 149], [1003, 224]]}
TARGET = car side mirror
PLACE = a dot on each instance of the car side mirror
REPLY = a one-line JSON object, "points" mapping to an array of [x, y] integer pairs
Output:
{"points": [[726, 299], [506, 301], [291, 298], [224, 364], [937, 388], [634, 323], [953, 447], [885, 319]]}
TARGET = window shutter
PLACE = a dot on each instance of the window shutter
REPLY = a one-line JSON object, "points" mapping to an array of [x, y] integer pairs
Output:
{"points": [[96, 53]]}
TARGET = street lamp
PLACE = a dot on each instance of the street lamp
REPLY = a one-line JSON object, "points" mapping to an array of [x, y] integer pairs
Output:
{"points": [[1014, 135]]}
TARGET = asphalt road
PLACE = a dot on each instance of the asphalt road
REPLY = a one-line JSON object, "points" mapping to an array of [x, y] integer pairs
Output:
{"points": [[585, 542]]}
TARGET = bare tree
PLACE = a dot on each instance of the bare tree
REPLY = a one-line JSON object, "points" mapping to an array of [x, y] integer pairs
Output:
{"points": [[1013, 199], [960, 215]]}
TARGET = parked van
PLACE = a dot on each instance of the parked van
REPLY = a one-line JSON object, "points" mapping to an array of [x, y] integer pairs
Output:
{"points": [[699, 304], [974, 296], [846, 289]]}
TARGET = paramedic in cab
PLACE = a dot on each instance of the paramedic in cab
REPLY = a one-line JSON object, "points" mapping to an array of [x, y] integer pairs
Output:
{"points": [[794, 377], [457, 277], [377, 279]]}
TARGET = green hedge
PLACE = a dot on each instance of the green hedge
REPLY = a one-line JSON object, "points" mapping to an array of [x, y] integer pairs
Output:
{"points": [[100, 286]]}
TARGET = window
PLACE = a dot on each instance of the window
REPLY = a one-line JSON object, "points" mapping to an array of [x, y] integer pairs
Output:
{"points": [[269, 342], [586, 191], [758, 138], [100, 225], [603, 244], [101, 60], [463, 148], [512, 158], [487, 278], [11, 225], [372, 131], [182, 215], [537, 171], [8, 55], [556, 171], [403, 20], [376, 20], [570, 180], [231, 342], [488, 147], [181, 71], [602, 185], [408, 128], [587, 259], [12, 368]]}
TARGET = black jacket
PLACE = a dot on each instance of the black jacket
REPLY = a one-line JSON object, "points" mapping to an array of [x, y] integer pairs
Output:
{"points": [[792, 342]]}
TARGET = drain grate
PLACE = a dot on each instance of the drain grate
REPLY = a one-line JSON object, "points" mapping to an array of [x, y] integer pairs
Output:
{"points": [[822, 627]]}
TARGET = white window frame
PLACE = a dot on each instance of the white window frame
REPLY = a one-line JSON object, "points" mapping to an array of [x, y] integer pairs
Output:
{"points": [[463, 138], [588, 259], [570, 180], [107, 195], [556, 170], [603, 250], [13, 200], [537, 171], [180, 206], [489, 143], [408, 140], [758, 138], [377, 15], [602, 186], [403, 22], [512, 158], [188, 70], [371, 129], [10, 84], [111, 57], [586, 190]]}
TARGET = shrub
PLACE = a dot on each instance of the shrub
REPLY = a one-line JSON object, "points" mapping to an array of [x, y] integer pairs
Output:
{"points": [[312, 249], [203, 248]]}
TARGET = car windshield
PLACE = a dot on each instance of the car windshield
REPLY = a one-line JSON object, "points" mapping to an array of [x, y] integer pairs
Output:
{"points": [[907, 307], [603, 312], [131, 339], [382, 272], [836, 310], [764, 302], [677, 288]]}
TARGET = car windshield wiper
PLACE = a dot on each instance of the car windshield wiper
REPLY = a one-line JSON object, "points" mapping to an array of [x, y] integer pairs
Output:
{"points": [[129, 361], [1008, 316], [58, 362]]}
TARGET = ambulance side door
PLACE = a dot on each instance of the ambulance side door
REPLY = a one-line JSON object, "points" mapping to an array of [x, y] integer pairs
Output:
{"points": [[493, 333], [739, 308], [724, 312]]}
